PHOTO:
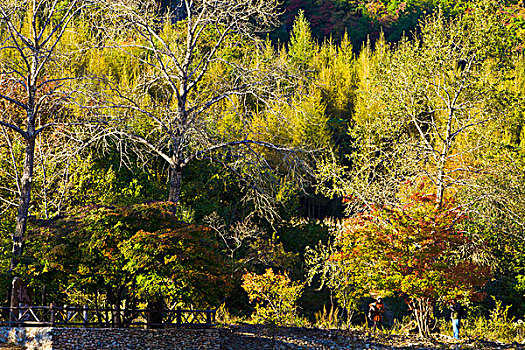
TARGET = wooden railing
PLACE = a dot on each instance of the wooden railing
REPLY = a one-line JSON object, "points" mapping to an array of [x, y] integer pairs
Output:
{"points": [[27, 316]]}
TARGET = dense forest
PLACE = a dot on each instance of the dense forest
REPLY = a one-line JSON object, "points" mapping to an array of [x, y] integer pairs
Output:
{"points": [[286, 162]]}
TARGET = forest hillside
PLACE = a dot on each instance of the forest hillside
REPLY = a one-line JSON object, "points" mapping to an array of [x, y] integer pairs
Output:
{"points": [[283, 162]]}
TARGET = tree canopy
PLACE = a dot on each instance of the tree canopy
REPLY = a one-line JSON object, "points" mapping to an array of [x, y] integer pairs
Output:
{"points": [[194, 153]]}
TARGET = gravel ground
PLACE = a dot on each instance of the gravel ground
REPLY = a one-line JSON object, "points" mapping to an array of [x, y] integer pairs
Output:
{"points": [[261, 338], [257, 337]]}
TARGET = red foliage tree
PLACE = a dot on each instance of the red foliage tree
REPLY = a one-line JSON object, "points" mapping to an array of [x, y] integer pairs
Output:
{"points": [[415, 251]]}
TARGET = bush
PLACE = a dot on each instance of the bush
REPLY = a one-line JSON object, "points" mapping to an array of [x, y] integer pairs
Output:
{"points": [[275, 297], [497, 327]]}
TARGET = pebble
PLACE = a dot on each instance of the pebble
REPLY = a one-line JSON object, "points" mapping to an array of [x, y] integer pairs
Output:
{"points": [[250, 337]]}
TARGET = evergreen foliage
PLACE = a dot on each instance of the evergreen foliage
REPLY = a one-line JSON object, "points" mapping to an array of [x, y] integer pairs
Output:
{"points": [[254, 140]]}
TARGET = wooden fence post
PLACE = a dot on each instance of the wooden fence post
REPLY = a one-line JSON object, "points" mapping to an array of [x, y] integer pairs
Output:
{"points": [[20, 312], [85, 314], [208, 316], [52, 314], [179, 316], [116, 316]]}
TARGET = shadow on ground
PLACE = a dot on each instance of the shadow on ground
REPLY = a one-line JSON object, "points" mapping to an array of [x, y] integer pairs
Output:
{"points": [[257, 337]]}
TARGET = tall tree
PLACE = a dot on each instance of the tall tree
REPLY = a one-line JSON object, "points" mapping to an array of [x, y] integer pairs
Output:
{"points": [[201, 86], [425, 109], [425, 106], [419, 250], [32, 81]]}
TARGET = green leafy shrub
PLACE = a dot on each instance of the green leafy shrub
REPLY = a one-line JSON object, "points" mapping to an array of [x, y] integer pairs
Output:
{"points": [[140, 253], [275, 297]]}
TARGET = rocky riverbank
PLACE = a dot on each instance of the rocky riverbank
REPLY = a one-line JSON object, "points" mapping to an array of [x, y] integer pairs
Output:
{"points": [[239, 337], [260, 337]]}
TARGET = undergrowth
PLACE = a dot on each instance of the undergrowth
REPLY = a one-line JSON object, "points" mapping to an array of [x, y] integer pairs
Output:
{"points": [[499, 326]]}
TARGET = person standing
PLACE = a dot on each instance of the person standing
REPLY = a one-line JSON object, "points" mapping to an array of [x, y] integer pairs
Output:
{"points": [[375, 312], [456, 314]]}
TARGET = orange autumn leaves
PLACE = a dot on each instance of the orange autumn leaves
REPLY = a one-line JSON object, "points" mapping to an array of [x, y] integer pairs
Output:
{"points": [[414, 250]]}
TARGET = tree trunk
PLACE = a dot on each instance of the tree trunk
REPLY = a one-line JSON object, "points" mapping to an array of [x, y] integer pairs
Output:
{"points": [[175, 184], [440, 185], [25, 201], [422, 309], [447, 143]]}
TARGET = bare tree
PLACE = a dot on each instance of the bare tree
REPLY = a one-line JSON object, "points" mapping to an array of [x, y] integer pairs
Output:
{"points": [[234, 236], [33, 84], [189, 76], [426, 108]]}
